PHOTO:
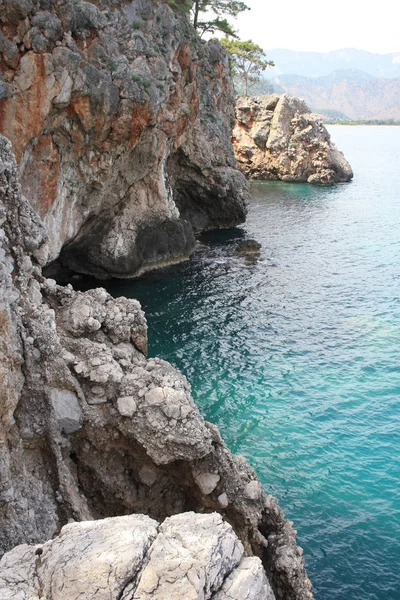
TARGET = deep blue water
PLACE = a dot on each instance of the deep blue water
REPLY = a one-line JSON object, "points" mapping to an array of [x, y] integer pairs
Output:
{"points": [[296, 357]]}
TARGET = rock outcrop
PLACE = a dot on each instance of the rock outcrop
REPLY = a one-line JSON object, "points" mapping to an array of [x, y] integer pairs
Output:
{"points": [[277, 137], [120, 120], [90, 428], [188, 556]]}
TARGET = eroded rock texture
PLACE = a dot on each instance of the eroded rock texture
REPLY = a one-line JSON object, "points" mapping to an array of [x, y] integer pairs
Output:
{"points": [[276, 137], [188, 556], [120, 119], [90, 428]]}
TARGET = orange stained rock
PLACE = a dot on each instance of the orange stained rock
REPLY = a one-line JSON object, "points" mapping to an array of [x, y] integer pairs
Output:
{"points": [[41, 174], [23, 116], [140, 118], [183, 57], [81, 107]]}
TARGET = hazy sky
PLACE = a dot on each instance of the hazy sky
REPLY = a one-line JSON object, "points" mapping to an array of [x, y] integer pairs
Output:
{"points": [[322, 26]]}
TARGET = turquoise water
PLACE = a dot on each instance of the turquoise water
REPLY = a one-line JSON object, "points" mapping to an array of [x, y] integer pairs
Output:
{"points": [[296, 357]]}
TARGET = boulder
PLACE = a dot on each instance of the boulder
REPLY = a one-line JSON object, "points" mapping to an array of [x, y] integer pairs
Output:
{"points": [[191, 556]]}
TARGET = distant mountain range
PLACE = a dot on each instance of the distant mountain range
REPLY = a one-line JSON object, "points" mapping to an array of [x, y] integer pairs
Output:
{"points": [[317, 64], [344, 84]]}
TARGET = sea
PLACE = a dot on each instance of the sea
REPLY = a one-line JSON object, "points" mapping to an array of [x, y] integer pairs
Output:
{"points": [[295, 354]]}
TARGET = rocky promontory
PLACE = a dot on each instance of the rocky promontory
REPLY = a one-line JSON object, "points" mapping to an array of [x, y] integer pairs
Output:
{"points": [[277, 137]]}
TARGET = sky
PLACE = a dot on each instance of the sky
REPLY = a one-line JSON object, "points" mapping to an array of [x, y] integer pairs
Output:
{"points": [[315, 25]]}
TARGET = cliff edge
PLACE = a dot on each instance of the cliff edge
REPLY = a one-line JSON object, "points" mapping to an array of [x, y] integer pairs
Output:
{"points": [[277, 137]]}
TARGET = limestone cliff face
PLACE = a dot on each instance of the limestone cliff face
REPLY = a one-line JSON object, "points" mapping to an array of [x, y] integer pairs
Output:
{"points": [[276, 137], [120, 121], [90, 428]]}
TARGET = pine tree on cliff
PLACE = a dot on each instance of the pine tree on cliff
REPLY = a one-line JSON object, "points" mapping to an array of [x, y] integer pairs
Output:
{"points": [[219, 8], [247, 61]]}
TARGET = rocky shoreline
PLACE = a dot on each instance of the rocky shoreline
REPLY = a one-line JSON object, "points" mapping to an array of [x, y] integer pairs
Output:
{"points": [[92, 428], [112, 176]]}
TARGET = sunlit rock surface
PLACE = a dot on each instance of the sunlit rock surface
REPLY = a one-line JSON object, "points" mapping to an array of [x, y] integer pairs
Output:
{"points": [[277, 137], [190, 556]]}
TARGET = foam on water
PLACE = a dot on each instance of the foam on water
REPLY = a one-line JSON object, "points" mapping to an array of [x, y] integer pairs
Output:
{"points": [[296, 357]]}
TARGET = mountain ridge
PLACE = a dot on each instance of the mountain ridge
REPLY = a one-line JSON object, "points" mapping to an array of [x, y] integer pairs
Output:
{"points": [[345, 93], [315, 64]]}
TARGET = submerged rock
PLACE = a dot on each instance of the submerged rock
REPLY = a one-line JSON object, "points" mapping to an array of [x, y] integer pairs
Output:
{"points": [[248, 247], [277, 137]]}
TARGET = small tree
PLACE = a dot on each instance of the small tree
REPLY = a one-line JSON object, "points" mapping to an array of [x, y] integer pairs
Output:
{"points": [[215, 25], [221, 9], [247, 61]]}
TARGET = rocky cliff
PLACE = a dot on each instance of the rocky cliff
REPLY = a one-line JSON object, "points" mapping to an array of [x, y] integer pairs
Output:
{"points": [[276, 137], [91, 428], [120, 120]]}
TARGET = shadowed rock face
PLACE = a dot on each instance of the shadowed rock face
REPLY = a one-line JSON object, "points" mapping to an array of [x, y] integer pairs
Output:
{"points": [[276, 137], [91, 428], [120, 120]]}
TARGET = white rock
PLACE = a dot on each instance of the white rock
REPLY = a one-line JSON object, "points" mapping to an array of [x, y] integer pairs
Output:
{"points": [[155, 396], [126, 406], [207, 482], [190, 558], [252, 491], [247, 582], [95, 559], [66, 88], [93, 324], [223, 500]]}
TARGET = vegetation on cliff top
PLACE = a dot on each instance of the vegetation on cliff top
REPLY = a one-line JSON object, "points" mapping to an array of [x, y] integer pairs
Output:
{"points": [[215, 12], [247, 62], [247, 58]]}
